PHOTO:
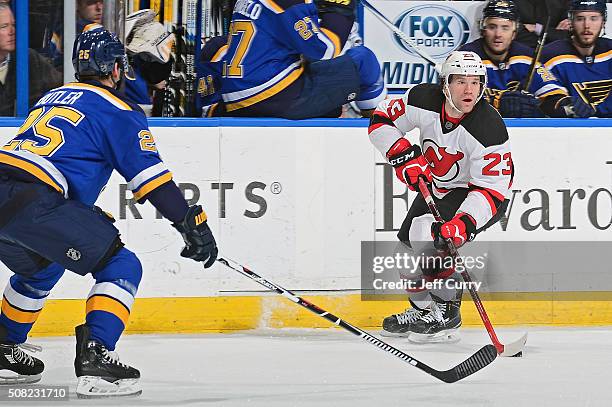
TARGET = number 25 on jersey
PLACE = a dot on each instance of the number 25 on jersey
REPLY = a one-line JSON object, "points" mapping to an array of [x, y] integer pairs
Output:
{"points": [[48, 138]]}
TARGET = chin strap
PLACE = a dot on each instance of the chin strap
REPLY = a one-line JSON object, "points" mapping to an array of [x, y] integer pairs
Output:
{"points": [[447, 94]]}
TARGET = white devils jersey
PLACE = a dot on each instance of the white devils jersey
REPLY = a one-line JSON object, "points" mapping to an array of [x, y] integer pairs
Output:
{"points": [[473, 153]]}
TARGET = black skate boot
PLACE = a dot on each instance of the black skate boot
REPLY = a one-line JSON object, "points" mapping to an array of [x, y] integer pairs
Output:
{"points": [[99, 372], [399, 324], [439, 324], [17, 367]]}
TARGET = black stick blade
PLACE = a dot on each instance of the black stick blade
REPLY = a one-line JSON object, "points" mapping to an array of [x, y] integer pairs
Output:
{"points": [[474, 363]]}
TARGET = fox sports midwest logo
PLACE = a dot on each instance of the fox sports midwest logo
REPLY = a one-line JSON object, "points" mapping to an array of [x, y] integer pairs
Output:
{"points": [[438, 30]]}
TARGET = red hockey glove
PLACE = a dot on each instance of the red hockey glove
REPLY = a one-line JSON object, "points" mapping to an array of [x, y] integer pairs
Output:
{"points": [[409, 163], [461, 228]]}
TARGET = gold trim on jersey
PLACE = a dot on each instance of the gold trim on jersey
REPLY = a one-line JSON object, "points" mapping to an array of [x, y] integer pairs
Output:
{"points": [[334, 39], [279, 86], [559, 59], [31, 168], [551, 63], [603, 56], [99, 91], [272, 6], [91, 26], [211, 110], [556, 91], [517, 59], [151, 185]]}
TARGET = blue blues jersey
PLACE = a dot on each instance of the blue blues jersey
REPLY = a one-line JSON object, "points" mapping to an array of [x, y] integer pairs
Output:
{"points": [[76, 135], [267, 41], [589, 78], [511, 75], [136, 87], [208, 73]]}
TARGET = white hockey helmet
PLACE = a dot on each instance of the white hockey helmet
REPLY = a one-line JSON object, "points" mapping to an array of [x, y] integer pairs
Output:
{"points": [[463, 63]]}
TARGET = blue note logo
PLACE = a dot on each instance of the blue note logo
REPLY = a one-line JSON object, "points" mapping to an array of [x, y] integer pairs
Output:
{"points": [[438, 30]]}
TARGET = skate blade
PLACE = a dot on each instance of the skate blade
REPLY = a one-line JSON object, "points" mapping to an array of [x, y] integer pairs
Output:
{"points": [[8, 377], [446, 336], [94, 387], [388, 334]]}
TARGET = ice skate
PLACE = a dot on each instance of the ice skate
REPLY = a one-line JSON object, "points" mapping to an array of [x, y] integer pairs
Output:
{"points": [[440, 324], [398, 325], [99, 372], [17, 367]]}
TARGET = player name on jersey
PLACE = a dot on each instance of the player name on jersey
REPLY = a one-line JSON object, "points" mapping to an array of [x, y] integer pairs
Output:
{"points": [[60, 97]]}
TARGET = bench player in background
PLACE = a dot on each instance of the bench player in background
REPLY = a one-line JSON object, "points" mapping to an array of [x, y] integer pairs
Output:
{"points": [[51, 174], [281, 62], [583, 63], [508, 65], [465, 151], [336, 20], [149, 47], [209, 76]]}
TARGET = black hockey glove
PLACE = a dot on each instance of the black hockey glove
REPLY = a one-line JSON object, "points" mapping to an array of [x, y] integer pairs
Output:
{"points": [[200, 244], [519, 104], [574, 106]]}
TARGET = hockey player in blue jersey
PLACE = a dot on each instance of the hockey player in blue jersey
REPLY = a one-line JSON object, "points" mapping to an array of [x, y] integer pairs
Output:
{"points": [[508, 66], [583, 63], [208, 76], [281, 62], [51, 174]]}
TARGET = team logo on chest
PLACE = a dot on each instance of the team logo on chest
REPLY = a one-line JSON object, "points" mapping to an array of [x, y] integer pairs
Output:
{"points": [[444, 164], [594, 92]]}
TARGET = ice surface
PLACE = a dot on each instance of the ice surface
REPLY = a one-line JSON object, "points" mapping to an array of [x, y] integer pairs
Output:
{"points": [[329, 367]]}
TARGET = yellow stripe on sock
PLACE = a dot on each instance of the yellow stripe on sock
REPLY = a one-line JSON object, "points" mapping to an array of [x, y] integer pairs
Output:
{"points": [[107, 304], [17, 315]]}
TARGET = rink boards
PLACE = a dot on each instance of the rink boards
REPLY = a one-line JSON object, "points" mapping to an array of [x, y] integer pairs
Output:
{"points": [[294, 200]]}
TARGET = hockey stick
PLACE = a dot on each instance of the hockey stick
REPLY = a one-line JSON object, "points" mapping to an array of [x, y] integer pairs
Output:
{"points": [[474, 363], [511, 349], [402, 35], [536, 55]]}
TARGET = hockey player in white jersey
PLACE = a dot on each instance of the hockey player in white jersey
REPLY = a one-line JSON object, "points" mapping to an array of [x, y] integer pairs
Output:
{"points": [[465, 153]]}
